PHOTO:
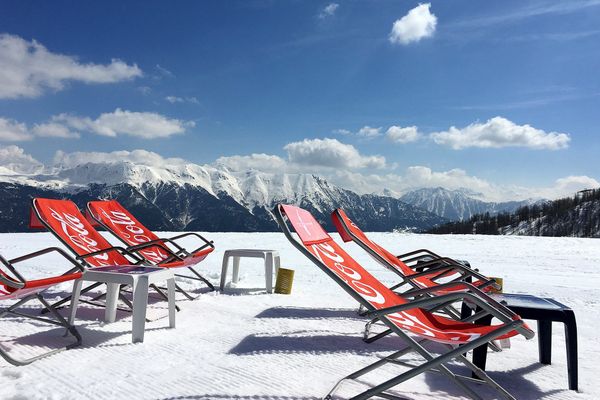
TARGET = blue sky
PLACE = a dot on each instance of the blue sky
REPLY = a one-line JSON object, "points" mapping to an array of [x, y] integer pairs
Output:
{"points": [[315, 86]]}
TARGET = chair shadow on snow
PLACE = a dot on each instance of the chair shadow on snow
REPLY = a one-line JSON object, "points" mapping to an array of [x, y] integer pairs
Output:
{"points": [[243, 291], [239, 397], [512, 380], [309, 313], [336, 343]]}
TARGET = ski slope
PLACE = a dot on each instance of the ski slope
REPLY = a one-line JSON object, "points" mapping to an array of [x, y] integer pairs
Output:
{"points": [[246, 344]]}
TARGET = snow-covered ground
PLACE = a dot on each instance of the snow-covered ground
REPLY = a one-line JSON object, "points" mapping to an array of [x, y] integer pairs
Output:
{"points": [[245, 344]]}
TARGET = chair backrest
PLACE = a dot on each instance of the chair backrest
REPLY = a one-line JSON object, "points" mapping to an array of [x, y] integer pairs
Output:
{"points": [[356, 281], [349, 231], [121, 223], [65, 221]]}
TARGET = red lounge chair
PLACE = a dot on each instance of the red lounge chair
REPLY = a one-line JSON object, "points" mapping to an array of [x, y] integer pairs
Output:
{"points": [[401, 314], [65, 221], [165, 252], [13, 286], [433, 270]]}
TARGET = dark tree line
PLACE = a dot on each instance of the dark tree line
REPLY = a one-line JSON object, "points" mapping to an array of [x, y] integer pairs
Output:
{"points": [[571, 216]]}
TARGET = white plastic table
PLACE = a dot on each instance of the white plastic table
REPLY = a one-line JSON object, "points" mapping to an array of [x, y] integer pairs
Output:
{"points": [[271, 258], [139, 278]]}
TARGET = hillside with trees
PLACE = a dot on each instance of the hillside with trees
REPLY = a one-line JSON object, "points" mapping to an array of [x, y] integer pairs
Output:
{"points": [[577, 216]]}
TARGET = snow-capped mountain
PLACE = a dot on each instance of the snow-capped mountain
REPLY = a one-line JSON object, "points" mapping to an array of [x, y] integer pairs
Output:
{"points": [[202, 197], [457, 204]]}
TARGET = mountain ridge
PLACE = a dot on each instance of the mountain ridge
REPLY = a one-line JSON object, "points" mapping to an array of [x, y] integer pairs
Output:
{"points": [[194, 197], [459, 204]]}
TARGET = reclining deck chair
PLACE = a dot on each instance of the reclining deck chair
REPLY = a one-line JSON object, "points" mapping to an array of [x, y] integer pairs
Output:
{"points": [[402, 315], [13, 286], [63, 219], [111, 215], [439, 268], [433, 270]]}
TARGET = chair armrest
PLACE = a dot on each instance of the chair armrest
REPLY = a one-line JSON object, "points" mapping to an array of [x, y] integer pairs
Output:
{"points": [[415, 252], [431, 301], [154, 243], [112, 248], [207, 243], [473, 290], [157, 243], [24, 282]]}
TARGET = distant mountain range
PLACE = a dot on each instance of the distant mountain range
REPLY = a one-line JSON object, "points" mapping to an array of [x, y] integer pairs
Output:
{"points": [[459, 204], [203, 198], [577, 216]]}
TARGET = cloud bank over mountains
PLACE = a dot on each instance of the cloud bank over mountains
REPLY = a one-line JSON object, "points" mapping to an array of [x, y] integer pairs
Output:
{"points": [[337, 162]]}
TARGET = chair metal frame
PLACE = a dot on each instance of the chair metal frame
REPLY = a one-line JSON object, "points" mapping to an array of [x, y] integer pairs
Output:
{"points": [[179, 254], [136, 260], [510, 321], [32, 290]]}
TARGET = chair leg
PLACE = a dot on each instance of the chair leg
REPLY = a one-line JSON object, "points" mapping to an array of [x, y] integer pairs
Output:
{"points": [[162, 294], [59, 320], [200, 278], [431, 363], [59, 304]]}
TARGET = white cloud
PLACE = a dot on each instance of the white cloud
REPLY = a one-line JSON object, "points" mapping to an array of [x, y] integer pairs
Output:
{"points": [[13, 131], [344, 132], [163, 72], [369, 132], [419, 23], [261, 162], [341, 173], [175, 99], [145, 90], [27, 69], [329, 10], [53, 129], [402, 135], [563, 187], [500, 132], [143, 157], [146, 125], [13, 159], [330, 153]]}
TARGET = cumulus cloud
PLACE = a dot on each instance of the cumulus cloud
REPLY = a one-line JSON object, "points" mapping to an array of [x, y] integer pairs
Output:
{"points": [[344, 174], [564, 187], [500, 132], [143, 157], [369, 132], [13, 131], [55, 130], [261, 162], [27, 69], [329, 10], [13, 159], [145, 125], [418, 24], [398, 134], [330, 153]]}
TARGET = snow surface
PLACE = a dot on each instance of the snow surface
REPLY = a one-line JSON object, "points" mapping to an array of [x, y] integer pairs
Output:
{"points": [[245, 344]]}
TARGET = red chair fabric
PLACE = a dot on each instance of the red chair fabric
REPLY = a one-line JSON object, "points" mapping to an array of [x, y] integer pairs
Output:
{"points": [[379, 296], [114, 217], [341, 220], [63, 218]]}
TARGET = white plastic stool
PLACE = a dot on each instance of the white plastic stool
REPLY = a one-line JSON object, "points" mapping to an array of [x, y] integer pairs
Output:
{"points": [[139, 278], [271, 258]]}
